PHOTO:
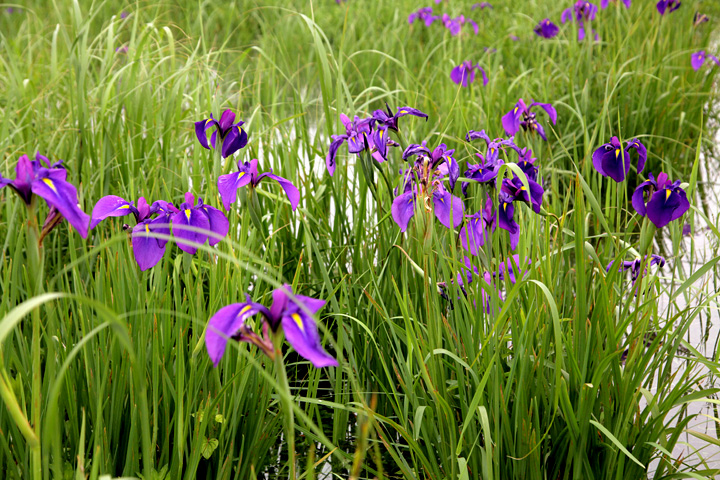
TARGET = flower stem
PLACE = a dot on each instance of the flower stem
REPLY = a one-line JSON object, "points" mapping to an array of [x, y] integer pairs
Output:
{"points": [[287, 402]]}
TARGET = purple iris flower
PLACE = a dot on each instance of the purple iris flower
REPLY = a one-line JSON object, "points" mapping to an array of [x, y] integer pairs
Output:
{"points": [[516, 190], [505, 219], [522, 116], [493, 146], [48, 181], [604, 3], [634, 266], [194, 220], [666, 201], [477, 230], [484, 172], [581, 12], [424, 15], [455, 24], [698, 59], [546, 29], [247, 174], [123, 15], [466, 276], [481, 6], [360, 135], [508, 268], [526, 162], [423, 184], [148, 250], [609, 163], [233, 137], [667, 6], [464, 74], [390, 119], [292, 313]]}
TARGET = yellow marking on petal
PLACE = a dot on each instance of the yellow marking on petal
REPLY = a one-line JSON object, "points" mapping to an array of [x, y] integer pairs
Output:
{"points": [[382, 132], [403, 111], [442, 200], [522, 188], [147, 228], [617, 152], [668, 192], [515, 111], [241, 175], [50, 184], [123, 207], [244, 310], [187, 213], [298, 321], [492, 150], [505, 206]]}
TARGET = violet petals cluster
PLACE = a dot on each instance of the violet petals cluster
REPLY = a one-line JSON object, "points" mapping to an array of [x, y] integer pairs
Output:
{"points": [[247, 175], [226, 131], [291, 313], [613, 160], [464, 74], [453, 24], [660, 200], [523, 117]]}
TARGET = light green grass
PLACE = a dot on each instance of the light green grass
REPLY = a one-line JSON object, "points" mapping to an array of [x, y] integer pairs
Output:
{"points": [[536, 391]]}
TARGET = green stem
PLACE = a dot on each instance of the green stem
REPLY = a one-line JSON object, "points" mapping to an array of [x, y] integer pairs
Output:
{"points": [[287, 402]]}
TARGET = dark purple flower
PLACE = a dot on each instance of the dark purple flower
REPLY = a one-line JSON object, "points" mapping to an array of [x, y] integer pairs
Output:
{"points": [[467, 275], [634, 266], [483, 172], [581, 12], [424, 15], [508, 267], [667, 6], [478, 228], [233, 137], [609, 162], [526, 162], [360, 135], [481, 6], [292, 313], [390, 119], [494, 147], [247, 174], [48, 181], [193, 222], [505, 219], [464, 74], [515, 189], [546, 29], [147, 248], [423, 183], [455, 24], [698, 59], [604, 3], [522, 116], [665, 202]]}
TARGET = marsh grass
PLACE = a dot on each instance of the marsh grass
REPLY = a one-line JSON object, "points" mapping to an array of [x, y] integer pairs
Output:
{"points": [[426, 388]]}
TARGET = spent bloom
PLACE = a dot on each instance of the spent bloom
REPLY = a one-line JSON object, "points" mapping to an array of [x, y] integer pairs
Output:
{"points": [[546, 29], [422, 184], [698, 59], [232, 136], [660, 200], [699, 19], [48, 181], [609, 162], [522, 116], [147, 249], [667, 6], [464, 74], [292, 313], [247, 174]]}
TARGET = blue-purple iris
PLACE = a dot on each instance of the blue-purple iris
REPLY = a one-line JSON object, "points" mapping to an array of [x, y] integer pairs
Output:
{"points": [[478, 228], [546, 29], [604, 3], [634, 266], [292, 313], [247, 174], [612, 160], [196, 222], [698, 59], [464, 74], [667, 6], [581, 12], [229, 133], [523, 117], [660, 200], [148, 248], [422, 184], [48, 181]]}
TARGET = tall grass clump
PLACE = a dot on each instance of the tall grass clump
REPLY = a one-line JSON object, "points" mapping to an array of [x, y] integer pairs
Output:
{"points": [[574, 335]]}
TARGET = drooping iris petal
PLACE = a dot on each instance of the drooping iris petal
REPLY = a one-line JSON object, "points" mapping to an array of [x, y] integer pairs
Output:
{"points": [[234, 141], [447, 205], [111, 206], [217, 223], [403, 209], [697, 60], [638, 198], [667, 205], [506, 221], [474, 233], [462, 75], [185, 223], [337, 140], [63, 196], [611, 160], [511, 120], [201, 128], [549, 109], [302, 334], [291, 190], [146, 249], [642, 153], [228, 186], [224, 325]]}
